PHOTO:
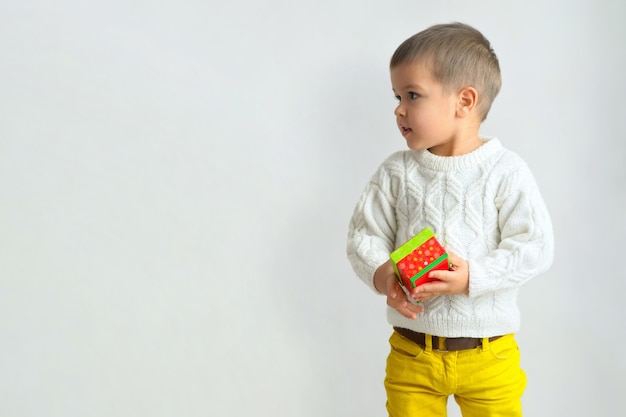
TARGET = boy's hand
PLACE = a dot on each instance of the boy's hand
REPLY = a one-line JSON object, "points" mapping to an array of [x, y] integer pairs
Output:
{"points": [[386, 283], [455, 281]]}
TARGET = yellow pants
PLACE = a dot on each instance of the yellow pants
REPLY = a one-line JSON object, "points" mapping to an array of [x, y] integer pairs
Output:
{"points": [[485, 381]]}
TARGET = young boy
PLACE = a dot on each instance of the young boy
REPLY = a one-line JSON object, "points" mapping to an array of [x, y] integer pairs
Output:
{"points": [[483, 205]]}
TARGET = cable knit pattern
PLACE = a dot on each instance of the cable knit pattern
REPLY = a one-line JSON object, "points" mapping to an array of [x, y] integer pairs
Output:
{"points": [[484, 206]]}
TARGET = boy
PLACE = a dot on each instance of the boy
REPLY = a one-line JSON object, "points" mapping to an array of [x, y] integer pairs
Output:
{"points": [[482, 203]]}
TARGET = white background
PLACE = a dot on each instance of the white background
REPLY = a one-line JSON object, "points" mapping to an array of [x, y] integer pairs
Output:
{"points": [[176, 180]]}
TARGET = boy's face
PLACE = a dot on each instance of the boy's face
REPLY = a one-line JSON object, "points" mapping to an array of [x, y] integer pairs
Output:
{"points": [[426, 115]]}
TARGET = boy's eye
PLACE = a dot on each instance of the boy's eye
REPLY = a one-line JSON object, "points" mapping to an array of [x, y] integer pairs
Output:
{"points": [[410, 95]]}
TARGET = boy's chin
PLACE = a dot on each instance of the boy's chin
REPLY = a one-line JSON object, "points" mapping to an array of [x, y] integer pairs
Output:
{"points": [[415, 146]]}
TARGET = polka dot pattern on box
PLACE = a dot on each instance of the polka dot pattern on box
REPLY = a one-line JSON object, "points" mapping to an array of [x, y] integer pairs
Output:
{"points": [[420, 258]]}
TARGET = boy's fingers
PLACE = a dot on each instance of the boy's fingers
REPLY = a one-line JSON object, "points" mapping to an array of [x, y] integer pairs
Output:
{"points": [[439, 274], [432, 288], [410, 313], [406, 308], [394, 291], [435, 287], [456, 262], [453, 258], [418, 309]]}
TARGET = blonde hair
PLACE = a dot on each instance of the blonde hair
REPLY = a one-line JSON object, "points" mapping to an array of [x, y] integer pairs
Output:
{"points": [[459, 56]]}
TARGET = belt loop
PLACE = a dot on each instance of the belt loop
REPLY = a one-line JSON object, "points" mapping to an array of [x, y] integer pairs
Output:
{"points": [[429, 343], [485, 344], [441, 341]]}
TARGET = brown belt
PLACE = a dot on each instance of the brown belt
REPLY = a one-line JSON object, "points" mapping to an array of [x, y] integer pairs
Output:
{"points": [[443, 343]]}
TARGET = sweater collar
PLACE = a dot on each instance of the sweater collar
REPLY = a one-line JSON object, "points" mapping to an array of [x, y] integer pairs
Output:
{"points": [[471, 160]]}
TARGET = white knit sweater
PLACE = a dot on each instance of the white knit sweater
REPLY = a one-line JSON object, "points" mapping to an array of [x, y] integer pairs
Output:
{"points": [[484, 206]]}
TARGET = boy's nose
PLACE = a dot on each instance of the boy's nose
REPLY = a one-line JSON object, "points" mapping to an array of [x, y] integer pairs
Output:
{"points": [[399, 111]]}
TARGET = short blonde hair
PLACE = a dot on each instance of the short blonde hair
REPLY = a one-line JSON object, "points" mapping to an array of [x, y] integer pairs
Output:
{"points": [[459, 55]]}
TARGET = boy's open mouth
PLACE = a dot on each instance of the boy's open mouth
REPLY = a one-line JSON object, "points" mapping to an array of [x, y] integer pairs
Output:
{"points": [[405, 130]]}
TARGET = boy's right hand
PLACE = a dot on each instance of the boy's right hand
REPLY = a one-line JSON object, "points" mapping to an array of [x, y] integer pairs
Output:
{"points": [[385, 282]]}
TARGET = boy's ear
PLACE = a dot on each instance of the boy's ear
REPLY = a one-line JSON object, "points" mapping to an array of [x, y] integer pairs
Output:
{"points": [[467, 99]]}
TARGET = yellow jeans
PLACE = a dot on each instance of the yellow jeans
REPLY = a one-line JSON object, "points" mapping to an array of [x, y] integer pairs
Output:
{"points": [[485, 381]]}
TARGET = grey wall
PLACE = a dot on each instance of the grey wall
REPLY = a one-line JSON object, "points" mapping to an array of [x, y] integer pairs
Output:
{"points": [[176, 179]]}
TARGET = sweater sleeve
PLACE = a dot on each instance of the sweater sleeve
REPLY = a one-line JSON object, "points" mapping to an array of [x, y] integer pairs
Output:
{"points": [[372, 229], [526, 244]]}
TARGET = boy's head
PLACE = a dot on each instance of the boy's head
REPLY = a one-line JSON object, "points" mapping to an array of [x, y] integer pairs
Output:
{"points": [[458, 56]]}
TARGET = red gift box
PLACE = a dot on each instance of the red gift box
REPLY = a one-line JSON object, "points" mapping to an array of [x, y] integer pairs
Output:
{"points": [[415, 259]]}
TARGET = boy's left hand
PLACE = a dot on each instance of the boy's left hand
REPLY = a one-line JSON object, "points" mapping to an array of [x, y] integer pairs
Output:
{"points": [[454, 281]]}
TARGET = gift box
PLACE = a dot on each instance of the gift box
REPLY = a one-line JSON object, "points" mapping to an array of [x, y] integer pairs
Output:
{"points": [[416, 258]]}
